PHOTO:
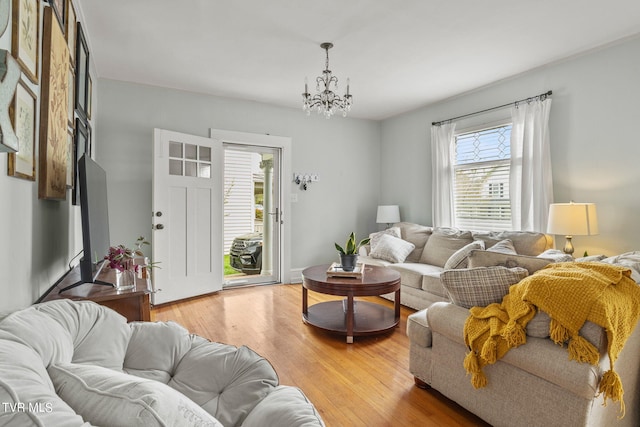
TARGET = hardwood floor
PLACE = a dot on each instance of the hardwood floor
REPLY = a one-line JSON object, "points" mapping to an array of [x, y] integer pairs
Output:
{"points": [[366, 383]]}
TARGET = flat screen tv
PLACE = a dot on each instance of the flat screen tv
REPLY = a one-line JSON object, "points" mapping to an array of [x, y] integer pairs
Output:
{"points": [[94, 210]]}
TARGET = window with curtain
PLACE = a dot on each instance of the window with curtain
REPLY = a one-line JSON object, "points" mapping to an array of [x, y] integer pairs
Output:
{"points": [[481, 179]]}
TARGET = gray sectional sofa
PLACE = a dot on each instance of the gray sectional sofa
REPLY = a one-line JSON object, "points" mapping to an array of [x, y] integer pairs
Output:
{"points": [[432, 248]]}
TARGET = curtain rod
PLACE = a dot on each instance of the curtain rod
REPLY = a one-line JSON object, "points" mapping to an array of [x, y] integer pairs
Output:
{"points": [[541, 97]]}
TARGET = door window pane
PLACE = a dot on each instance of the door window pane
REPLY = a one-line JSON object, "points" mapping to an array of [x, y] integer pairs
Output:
{"points": [[205, 154], [191, 152], [175, 167], [190, 169], [205, 170], [175, 149]]}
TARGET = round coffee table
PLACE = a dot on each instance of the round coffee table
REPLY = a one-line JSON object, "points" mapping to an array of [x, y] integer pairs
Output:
{"points": [[349, 317]]}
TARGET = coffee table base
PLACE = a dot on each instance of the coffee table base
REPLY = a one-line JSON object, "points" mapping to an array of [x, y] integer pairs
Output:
{"points": [[369, 318]]}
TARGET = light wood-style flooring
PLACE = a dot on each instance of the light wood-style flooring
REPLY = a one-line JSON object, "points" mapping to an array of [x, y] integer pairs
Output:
{"points": [[366, 383]]}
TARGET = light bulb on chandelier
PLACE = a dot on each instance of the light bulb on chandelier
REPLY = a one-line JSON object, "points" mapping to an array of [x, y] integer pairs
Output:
{"points": [[326, 101]]}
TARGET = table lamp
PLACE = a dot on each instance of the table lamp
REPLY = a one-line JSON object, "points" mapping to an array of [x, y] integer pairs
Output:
{"points": [[388, 214], [572, 219]]}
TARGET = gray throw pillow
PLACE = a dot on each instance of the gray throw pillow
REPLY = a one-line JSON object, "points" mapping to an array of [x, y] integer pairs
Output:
{"points": [[442, 244], [460, 258], [479, 287], [504, 247], [489, 259]]}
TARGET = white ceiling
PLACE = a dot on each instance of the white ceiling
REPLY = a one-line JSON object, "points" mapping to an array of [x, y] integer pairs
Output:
{"points": [[400, 55]]}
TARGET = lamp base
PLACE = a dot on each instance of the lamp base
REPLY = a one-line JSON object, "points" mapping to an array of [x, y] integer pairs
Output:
{"points": [[568, 246]]}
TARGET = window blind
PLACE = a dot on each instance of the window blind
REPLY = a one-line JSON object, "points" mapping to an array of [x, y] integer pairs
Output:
{"points": [[481, 178]]}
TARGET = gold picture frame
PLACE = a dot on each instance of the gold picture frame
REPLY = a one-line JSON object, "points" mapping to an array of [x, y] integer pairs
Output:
{"points": [[52, 173], [70, 32], [25, 36], [23, 118]]}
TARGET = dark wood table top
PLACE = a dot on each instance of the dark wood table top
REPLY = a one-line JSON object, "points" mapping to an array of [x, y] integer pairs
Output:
{"points": [[376, 280]]}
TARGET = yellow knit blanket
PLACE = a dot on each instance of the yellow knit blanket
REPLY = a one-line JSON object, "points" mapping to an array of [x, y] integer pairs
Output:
{"points": [[571, 293]]}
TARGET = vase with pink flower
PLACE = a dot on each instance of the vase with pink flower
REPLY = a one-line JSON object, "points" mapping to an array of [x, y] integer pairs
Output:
{"points": [[121, 260]]}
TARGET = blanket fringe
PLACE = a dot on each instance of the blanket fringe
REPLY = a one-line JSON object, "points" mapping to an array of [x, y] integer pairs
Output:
{"points": [[611, 387], [514, 334], [583, 351], [558, 333], [489, 351]]}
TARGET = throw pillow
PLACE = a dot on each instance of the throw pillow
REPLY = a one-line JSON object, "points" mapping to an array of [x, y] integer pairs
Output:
{"points": [[460, 258], [630, 260], [489, 259], [479, 287], [556, 255], [106, 397], [392, 249], [504, 247], [375, 237], [442, 244]]}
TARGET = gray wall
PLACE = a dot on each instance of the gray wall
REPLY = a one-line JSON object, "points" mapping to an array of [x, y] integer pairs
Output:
{"points": [[38, 238], [345, 153], [595, 148]]}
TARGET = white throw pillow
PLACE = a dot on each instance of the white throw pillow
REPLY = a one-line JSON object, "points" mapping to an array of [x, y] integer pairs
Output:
{"points": [[375, 237], [556, 255], [460, 258], [392, 249], [106, 397]]}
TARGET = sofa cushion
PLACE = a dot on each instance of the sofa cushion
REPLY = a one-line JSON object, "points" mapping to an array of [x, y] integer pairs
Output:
{"points": [[525, 242], [503, 247], [284, 406], [106, 397], [100, 335], [460, 258], [431, 283], [392, 249], [442, 244], [412, 273], [480, 286], [228, 382], [538, 327], [25, 381], [155, 349], [375, 237], [489, 259], [416, 234]]}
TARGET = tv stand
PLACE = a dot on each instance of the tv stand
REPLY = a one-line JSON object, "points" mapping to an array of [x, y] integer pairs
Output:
{"points": [[82, 282], [133, 304]]}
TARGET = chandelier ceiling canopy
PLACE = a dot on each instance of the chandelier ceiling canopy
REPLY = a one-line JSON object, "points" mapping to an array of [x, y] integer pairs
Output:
{"points": [[326, 101]]}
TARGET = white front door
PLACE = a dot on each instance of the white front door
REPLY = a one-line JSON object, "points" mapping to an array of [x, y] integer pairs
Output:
{"points": [[187, 215]]}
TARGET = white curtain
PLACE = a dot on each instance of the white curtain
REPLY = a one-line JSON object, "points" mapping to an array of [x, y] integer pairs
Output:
{"points": [[442, 145], [530, 183]]}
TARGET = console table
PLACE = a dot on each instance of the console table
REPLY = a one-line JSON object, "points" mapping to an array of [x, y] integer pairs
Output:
{"points": [[133, 303]]}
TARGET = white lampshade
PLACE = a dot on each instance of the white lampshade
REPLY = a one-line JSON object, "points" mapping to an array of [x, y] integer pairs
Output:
{"points": [[573, 219], [388, 214]]}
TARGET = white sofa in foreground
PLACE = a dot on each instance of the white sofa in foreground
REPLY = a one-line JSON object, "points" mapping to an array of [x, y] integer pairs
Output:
{"points": [[67, 363]]}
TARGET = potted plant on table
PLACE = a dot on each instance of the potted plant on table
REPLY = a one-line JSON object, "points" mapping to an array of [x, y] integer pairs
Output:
{"points": [[349, 254]]}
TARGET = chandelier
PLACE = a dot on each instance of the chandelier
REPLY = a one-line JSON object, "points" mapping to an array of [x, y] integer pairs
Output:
{"points": [[326, 101]]}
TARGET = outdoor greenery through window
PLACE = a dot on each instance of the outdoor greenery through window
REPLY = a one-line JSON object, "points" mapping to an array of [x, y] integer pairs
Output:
{"points": [[481, 180]]}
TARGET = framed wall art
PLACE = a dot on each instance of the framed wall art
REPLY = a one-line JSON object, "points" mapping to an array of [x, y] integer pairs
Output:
{"points": [[89, 96], [52, 170], [23, 118], [82, 72], [60, 9], [70, 156], [70, 32], [25, 36], [70, 100], [80, 147]]}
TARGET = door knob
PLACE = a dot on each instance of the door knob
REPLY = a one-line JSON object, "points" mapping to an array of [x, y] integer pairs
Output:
{"points": [[159, 227]]}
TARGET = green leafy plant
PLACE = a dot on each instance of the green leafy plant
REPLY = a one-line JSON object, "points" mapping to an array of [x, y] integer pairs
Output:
{"points": [[351, 248]]}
